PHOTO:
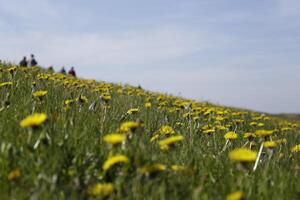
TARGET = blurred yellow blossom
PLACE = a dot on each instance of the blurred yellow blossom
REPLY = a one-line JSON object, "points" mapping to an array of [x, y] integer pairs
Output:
{"points": [[166, 143], [34, 120], [113, 161], [114, 138], [14, 175], [231, 136], [242, 155], [238, 195], [100, 189], [296, 148]]}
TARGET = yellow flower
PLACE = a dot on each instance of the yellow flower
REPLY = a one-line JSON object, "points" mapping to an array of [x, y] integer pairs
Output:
{"points": [[296, 148], [166, 130], [100, 189], [179, 124], [270, 144], [286, 129], [209, 131], [148, 105], [106, 98], [113, 161], [166, 143], [133, 111], [82, 99], [221, 128], [220, 118], [181, 169], [260, 124], [14, 175], [253, 124], [155, 137], [68, 102], [249, 136], [6, 84], [230, 136], [34, 120], [153, 168], [242, 155], [40, 94], [114, 138], [12, 69], [238, 195], [129, 126], [281, 141], [264, 133]]}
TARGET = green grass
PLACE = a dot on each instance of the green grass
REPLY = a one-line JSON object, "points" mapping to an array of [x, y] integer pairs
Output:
{"points": [[65, 155]]}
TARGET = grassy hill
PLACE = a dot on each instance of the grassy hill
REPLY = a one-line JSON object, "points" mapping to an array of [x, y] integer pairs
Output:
{"points": [[67, 138]]}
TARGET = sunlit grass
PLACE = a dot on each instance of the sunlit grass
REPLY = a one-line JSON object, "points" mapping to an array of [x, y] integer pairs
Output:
{"points": [[66, 138]]}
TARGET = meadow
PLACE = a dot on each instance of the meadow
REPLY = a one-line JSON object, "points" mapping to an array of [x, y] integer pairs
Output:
{"points": [[68, 138]]}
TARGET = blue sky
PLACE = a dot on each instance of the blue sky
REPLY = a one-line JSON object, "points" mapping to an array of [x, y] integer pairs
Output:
{"points": [[231, 52]]}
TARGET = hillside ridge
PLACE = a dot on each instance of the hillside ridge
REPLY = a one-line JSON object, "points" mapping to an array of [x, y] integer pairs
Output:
{"points": [[69, 138]]}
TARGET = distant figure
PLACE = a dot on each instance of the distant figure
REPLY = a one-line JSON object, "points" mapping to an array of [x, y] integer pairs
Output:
{"points": [[23, 63], [62, 71], [50, 68], [32, 62], [72, 72]]}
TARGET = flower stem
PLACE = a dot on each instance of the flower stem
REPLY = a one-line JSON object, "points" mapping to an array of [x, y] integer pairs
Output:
{"points": [[258, 156]]}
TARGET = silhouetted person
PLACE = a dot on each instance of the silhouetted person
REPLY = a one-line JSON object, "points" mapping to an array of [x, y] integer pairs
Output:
{"points": [[23, 62], [32, 62], [50, 68], [72, 72], [63, 71]]}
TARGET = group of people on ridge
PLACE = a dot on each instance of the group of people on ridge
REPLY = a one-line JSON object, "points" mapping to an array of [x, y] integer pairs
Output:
{"points": [[70, 72], [32, 62], [28, 63]]}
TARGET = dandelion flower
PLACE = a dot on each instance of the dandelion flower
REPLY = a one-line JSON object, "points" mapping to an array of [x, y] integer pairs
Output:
{"points": [[166, 130], [114, 138], [152, 169], [209, 131], [40, 94], [106, 98], [100, 189], [296, 148], [242, 155], [166, 143], [148, 105], [155, 137], [249, 136], [6, 84], [181, 169], [129, 126], [82, 99], [253, 124], [34, 120], [14, 175], [264, 133], [281, 141], [270, 144], [230, 136], [133, 111], [12, 70], [238, 195], [113, 161]]}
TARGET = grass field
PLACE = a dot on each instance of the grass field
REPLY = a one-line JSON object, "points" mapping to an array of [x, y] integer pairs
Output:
{"points": [[106, 141]]}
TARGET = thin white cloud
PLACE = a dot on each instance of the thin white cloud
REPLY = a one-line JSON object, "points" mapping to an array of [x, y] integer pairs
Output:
{"points": [[128, 48]]}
